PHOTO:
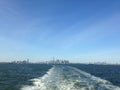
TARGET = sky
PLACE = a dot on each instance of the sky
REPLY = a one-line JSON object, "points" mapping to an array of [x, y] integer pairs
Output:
{"points": [[77, 30]]}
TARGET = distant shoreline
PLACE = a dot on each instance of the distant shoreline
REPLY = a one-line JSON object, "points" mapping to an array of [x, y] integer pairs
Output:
{"points": [[60, 64]]}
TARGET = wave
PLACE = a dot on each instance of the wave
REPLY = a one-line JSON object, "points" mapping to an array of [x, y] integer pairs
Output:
{"points": [[69, 78]]}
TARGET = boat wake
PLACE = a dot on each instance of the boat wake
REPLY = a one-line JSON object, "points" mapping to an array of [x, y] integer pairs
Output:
{"points": [[69, 78]]}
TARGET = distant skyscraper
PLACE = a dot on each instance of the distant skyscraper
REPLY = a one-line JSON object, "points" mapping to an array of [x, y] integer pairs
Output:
{"points": [[27, 60]]}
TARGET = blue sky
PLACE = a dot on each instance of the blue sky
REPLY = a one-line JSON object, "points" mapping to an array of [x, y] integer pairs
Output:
{"points": [[78, 30]]}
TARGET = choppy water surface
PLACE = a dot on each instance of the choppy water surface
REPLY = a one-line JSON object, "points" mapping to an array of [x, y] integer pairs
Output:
{"points": [[13, 76], [59, 77], [68, 78]]}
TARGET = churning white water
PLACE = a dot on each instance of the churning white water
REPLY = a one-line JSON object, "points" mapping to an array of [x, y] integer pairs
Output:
{"points": [[69, 78]]}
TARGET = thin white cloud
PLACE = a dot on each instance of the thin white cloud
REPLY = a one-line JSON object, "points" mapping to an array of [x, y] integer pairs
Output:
{"points": [[96, 31]]}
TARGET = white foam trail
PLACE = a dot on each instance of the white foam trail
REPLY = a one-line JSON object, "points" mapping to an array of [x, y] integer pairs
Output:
{"points": [[69, 78]]}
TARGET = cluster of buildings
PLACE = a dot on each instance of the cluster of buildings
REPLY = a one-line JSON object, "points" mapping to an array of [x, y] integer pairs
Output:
{"points": [[21, 62], [58, 61]]}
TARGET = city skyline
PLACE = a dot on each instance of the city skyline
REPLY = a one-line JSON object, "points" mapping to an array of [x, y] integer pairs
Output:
{"points": [[79, 31]]}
